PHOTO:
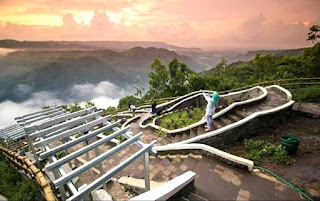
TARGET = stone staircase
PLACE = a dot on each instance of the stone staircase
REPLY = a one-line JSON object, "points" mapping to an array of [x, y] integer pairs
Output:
{"points": [[192, 196], [273, 99], [166, 167]]}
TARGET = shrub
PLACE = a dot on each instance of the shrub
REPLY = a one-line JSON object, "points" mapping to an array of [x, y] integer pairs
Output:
{"points": [[160, 133], [309, 94], [250, 144], [280, 155], [14, 187], [259, 148], [255, 156]]}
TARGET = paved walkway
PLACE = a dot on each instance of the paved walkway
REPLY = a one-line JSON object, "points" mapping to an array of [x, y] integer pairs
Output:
{"points": [[2, 198], [310, 108]]}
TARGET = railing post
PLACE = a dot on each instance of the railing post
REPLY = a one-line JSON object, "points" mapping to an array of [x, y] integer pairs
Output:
{"points": [[280, 82], [146, 171], [299, 82]]}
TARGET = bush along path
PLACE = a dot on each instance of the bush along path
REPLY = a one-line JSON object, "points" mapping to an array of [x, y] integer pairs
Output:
{"points": [[14, 187]]}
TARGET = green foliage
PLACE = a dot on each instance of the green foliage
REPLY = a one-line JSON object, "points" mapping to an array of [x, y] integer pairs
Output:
{"points": [[14, 187], [124, 102], [45, 107], [171, 81], [257, 149], [160, 133], [159, 77], [89, 104], [121, 138], [230, 101], [111, 110], [310, 94], [181, 118], [255, 156], [280, 155], [221, 66], [73, 107], [314, 34]]}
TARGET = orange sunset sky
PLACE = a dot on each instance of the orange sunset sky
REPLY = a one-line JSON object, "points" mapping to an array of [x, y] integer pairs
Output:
{"points": [[189, 23]]}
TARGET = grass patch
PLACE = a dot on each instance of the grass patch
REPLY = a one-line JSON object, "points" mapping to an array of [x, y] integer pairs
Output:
{"points": [[310, 94], [259, 149], [182, 118], [14, 187], [120, 138]]}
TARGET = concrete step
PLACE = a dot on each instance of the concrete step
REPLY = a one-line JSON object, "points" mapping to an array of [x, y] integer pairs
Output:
{"points": [[200, 129], [234, 117], [185, 136], [184, 199], [226, 121], [193, 132], [217, 123], [177, 138], [194, 196], [240, 113]]}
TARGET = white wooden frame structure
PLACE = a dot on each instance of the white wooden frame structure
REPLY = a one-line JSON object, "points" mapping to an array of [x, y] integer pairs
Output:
{"points": [[16, 132], [41, 134]]}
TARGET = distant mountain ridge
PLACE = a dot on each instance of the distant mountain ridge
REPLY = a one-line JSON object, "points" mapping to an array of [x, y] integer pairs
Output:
{"points": [[59, 70], [113, 45]]}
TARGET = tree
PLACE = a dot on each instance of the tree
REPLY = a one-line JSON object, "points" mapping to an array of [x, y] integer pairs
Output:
{"points": [[179, 77], [159, 77], [89, 104], [221, 66], [314, 34], [124, 102], [138, 91]]}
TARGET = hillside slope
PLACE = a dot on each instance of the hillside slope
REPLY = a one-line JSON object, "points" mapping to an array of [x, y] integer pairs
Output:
{"points": [[59, 71]]}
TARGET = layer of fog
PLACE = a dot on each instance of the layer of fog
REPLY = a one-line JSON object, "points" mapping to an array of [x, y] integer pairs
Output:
{"points": [[103, 94], [5, 51]]}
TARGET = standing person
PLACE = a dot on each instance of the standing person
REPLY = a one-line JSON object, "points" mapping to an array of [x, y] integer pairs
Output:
{"points": [[153, 107], [132, 108], [211, 107], [129, 106]]}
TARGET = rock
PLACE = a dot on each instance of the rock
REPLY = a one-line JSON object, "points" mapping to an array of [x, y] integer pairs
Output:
{"points": [[313, 192], [102, 195], [256, 170]]}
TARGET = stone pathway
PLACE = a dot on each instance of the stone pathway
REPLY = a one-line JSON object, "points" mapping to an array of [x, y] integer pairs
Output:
{"points": [[2, 198], [310, 108], [215, 180]]}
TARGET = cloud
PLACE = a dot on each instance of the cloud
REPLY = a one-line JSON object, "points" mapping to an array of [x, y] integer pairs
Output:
{"points": [[103, 94], [10, 110], [205, 23], [103, 89], [21, 90]]}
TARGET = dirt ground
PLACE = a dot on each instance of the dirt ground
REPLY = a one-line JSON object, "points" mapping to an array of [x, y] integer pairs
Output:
{"points": [[303, 169]]}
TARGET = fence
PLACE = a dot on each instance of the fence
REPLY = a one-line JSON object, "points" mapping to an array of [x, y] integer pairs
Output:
{"points": [[23, 163]]}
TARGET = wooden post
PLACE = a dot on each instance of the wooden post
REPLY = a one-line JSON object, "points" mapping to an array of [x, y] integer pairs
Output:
{"points": [[299, 82], [146, 172], [280, 82]]}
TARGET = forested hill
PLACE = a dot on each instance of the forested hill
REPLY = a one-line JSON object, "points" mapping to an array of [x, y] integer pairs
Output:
{"points": [[59, 71], [233, 60], [113, 45]]}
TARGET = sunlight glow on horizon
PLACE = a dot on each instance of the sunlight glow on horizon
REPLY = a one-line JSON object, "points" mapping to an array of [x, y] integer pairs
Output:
{"points": [[181, 22]]}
